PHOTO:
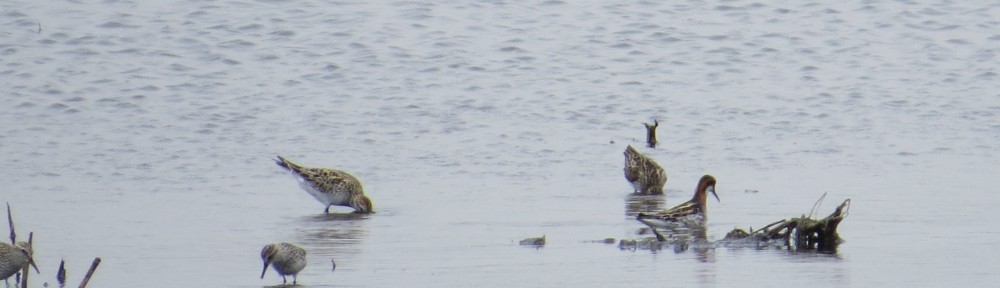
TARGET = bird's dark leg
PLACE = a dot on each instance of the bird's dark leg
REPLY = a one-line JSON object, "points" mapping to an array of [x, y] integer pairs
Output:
{"points": [[327, 210], [295, 279], [283, 281], [659, 237]]}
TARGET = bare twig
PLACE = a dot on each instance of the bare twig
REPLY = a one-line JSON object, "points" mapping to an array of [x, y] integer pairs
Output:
{"points": [[93, 266], [61, 275], [24, 276], [815, 206], [24, 272], [768, 226], [10, 221], [843, 209]]}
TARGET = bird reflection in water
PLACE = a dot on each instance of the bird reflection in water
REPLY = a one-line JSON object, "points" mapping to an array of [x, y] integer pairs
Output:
{"points": [[635, 204], [335, 236]]}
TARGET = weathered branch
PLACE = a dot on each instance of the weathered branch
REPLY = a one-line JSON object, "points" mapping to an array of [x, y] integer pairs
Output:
{"points": [[24, 271], [816, 206], [10, 221], [93, 266], [801, 232]]}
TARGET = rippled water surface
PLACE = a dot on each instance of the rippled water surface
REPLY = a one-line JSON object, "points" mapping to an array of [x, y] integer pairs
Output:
{"points": [[143, 132]]}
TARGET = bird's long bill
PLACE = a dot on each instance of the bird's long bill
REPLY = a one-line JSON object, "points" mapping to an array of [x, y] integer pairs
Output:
{"points": [[712, 189], [265, 270], [31, 261]]}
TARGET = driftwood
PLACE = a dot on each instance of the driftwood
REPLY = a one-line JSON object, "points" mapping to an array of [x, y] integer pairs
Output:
{"points": [[801, 232], [93, 266]]}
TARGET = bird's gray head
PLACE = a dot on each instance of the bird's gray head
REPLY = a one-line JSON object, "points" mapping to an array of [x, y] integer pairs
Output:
{"points": [[267, 254], [25, 249]]}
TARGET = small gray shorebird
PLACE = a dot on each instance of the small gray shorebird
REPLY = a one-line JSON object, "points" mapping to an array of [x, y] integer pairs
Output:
{"points": [[13, 258], [646, 177], [330, 186], [285, 258], [692, 214]]}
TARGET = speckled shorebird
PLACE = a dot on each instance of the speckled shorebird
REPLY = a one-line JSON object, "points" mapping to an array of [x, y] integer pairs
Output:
{"points": [[286, 258], [13, 258], [330, 186], [692, 213], [646, 176]]}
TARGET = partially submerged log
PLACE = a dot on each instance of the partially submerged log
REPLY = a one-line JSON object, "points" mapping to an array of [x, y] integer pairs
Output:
{"points": [[800, 232]]}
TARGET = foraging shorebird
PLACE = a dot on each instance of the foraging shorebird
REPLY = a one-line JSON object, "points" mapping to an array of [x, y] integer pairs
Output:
{"points": [[646, 176], [330, 186], [13, 258], [692, 213], [286, 258], [651, 133]]}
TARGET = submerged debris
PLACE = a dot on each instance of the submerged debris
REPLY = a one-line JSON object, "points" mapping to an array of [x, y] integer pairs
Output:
{"points": [[537, 241], [798, 233]]}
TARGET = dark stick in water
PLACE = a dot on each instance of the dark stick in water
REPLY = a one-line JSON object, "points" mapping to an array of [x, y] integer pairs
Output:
{"points": [[24, 272], [61, 275], [93, 266], [10, 221]]}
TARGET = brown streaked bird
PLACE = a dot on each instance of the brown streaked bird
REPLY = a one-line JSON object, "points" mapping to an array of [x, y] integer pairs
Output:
{"points": [[693, 213], [330, 186], [646, 177], [285, 258], [15, 257]]}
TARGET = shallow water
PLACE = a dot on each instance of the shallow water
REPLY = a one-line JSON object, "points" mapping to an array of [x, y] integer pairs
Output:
{"points": [[143, 132]]}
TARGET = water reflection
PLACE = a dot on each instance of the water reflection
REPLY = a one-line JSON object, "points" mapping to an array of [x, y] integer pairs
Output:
{"points": [[326, 234], [634, 204], [680, 240], [323, 217], [706, 275], [811, 255]]}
